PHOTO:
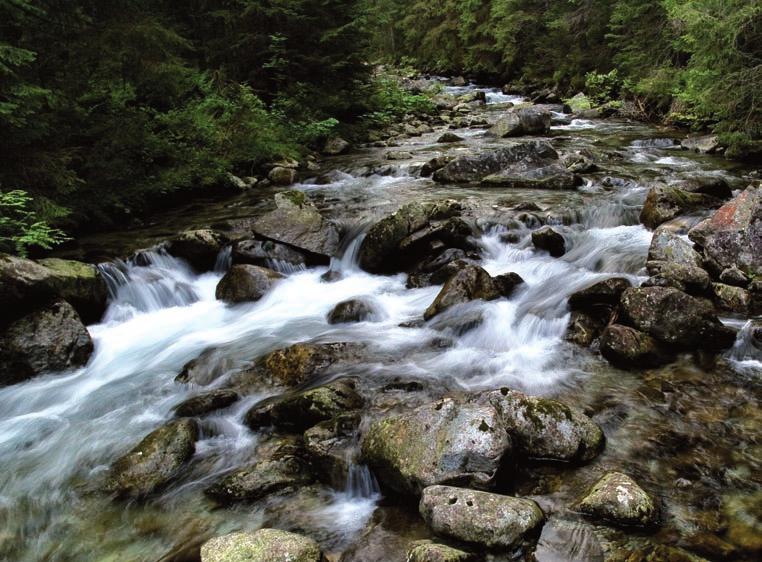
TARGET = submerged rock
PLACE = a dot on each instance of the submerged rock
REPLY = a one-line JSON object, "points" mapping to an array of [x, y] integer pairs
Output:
{"points": [[265, 545], [205, 403], [296, 222], [664, 203], [155, 461], [279, 466], [542, 428], [206, 368], [528, 121], [629, 348], [49, 339], [243, 283], [550, 240], [481, 518], [675, 318], [732, 236], [353, 310], [618, 499], [198, 247], [469, 283], [437, 443]]}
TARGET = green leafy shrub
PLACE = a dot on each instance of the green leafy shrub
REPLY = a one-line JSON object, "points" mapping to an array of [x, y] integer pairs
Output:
{"points": [[21, 228], [389, 102], [603, 88]]}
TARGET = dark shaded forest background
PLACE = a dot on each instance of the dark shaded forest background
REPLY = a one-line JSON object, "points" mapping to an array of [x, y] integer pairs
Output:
{"points": [[110, 108]]}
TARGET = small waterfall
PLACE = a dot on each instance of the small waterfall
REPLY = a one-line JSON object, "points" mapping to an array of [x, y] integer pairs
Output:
{"points": [[285, 267], [224, 259], [655, 143], [361, 483], [149, 281], [746, 354], [350, 256]]}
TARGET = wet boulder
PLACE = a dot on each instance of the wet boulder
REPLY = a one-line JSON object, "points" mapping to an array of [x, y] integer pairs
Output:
{"points": [[629, 348], [469, 283], [49, 339], [352, 310], [528, 121], [24, 283], [706, 144], [330, 446], [280, 465], [296, 364], [302, 410], [549, 240], [542, 428], [335, 146], [600, 297], [664, 203], [584, 328], [429, 551], [475, 167], [617, 498], [732, 299], [265, 253], [449, 138], [295, 221], [155, 461], [429, 241], [437, 443], [732, 236], [280, 175], [550, 175], [734, 276], [79, 284], [198, 247], [716, 186], [507, 283], [488, 520], [689, 279], [205, 403], [666, 246], [380, 251], [264, 545], [431, 166], [244, 283], [675, 318]]}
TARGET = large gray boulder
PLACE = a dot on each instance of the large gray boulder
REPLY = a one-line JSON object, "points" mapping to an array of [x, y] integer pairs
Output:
{"points": [[527, 121], [437, 443], [675, 318], [471, 282], [481, 518], [542, 428], [618, 499], [49, 339], [669, 247], [155, 461], [664, 203], [297, 222], [380, 251], [732, 236], [279, 466], [80, 284], [265, 545], [244, 283]]}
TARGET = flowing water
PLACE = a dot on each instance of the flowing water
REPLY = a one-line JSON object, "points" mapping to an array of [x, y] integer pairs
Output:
{"points": [[60, 432]]}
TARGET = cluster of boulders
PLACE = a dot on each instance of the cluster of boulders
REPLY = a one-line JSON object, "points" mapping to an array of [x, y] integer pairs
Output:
{"points": [[45, 304]]}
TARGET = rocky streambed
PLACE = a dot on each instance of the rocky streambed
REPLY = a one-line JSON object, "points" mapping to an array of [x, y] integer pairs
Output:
{"points": [[502, 332]]}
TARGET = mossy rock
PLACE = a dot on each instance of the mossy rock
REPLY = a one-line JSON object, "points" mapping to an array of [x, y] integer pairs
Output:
{"points": [[265, 545], [616, 498]]}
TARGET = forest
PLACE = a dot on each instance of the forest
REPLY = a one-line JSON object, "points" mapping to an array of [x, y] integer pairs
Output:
{"points": [[110, 109]]}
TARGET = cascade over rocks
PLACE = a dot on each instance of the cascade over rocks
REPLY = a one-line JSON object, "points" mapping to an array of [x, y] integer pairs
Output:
{"points": [[155, 461], [330, 446], [205, 403], [206, 368], [297, 222], [265, 545], [437, 443], [198, 247], [732, 236], [489, 520], [543, 428], [664, 203], [245, 282], [618, 499], [48, 339], [471, 282]]}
